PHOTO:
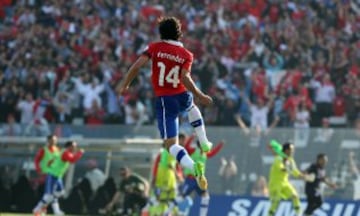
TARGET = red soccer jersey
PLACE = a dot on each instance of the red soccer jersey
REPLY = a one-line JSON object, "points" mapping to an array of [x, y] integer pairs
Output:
{"points": [[339, 106], [168, 59]]}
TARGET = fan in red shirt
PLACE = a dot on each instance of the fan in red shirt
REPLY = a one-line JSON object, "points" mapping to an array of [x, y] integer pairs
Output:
{"points": [[293, 102], [291, 80], [256, 8], [259, 83], [152, 12], [319, 69], [3, 5], [95, 115], [339, 105]]}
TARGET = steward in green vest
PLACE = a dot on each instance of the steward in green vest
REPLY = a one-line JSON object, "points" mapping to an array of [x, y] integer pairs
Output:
{"points": [[54, 187], [46, 154]]}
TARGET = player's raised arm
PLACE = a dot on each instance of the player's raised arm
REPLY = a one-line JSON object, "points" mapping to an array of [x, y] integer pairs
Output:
{"points": [[72, 157], [132, 73], [241, 123], [190, 85]]}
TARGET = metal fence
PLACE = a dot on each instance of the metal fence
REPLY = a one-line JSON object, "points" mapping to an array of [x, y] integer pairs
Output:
{"points": [[247, 149]]}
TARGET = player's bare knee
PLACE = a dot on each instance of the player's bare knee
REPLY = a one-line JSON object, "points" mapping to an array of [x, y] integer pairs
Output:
{"points": [[169, 142]]}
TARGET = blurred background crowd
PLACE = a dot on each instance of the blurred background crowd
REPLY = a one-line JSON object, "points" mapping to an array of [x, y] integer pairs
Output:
{"points": [[60, 60]]}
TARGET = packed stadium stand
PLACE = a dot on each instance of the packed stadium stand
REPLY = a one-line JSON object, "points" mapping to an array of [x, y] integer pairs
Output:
{"points": [[75, 52]]}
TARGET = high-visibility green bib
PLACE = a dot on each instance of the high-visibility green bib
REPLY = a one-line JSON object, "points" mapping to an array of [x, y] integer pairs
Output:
{"points": [[167, 160], [48, 156], [197, 156], [58, 167]]}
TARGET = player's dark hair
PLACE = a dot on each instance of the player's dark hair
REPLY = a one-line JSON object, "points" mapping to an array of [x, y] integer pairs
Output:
{"points": [[169, 28], [49, 137], [286, 146], [69, 144], [321, 155]]}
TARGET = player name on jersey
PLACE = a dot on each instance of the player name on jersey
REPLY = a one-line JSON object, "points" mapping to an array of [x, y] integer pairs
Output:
{"points": [[171, 57]]}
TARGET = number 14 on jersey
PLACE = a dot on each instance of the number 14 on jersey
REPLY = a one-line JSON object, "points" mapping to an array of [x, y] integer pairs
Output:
{"points": [[171, 77]]}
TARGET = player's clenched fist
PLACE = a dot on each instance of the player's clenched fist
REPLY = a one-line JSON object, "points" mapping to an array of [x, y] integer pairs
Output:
{"points": [[205, 99]]}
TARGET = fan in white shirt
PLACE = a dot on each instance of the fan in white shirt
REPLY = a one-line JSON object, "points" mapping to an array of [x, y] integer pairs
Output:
{"points": [[90, 91], [135, 113], [325, 90], [259, 115], [26, 109], [302, 117], [302, 124]]}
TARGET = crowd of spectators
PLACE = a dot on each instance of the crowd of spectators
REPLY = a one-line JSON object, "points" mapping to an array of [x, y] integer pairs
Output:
{"points": [[60, 60]]}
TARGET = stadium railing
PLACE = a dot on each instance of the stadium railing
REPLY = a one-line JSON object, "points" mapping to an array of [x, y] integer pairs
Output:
{"points": [[110, 153]]}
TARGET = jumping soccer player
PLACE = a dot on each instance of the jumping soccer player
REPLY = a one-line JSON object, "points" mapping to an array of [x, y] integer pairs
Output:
{"points": [[197, 154], [172, 83], [54, 187], [312, 189], [279, 186], [42, 160]]}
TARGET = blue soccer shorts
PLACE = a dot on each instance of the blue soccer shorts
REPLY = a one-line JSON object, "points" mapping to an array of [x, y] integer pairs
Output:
{"points": [[168, 109], [190, 185], [53, 185]]}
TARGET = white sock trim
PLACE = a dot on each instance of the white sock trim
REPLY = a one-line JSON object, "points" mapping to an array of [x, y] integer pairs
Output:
{"points": [[186, 160], [194, 115]]}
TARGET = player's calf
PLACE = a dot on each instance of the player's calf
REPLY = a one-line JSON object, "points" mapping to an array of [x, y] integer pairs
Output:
{"points": [[275, 200], [179, 152], [196, 120], [296, 204]]}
